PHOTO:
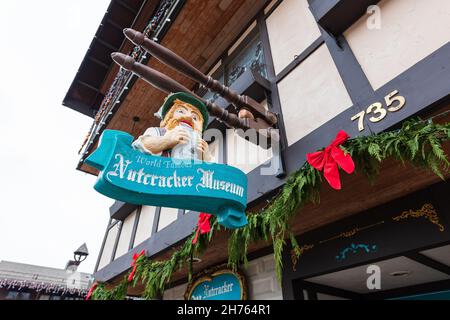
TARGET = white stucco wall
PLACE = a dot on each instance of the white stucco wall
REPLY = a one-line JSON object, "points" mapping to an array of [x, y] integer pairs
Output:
{"points": [[409, 31], [312, 94], [291, 29], [167, 216], [125, 235], [243, 154], [214, 150], [145, 224], [109, 247]]}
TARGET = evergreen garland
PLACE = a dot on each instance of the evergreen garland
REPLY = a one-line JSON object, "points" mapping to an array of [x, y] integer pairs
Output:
{"points": [[417, 142]]}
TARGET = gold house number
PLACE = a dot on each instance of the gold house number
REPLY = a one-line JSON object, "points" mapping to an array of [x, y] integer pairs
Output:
{"points": [[394, 102]]}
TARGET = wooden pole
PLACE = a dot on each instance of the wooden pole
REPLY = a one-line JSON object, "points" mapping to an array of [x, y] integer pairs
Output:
{"points": [[168, 85], [173, 60]]}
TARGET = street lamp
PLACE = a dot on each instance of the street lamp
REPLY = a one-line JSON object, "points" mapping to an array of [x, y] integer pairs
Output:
{"points": [[81, 253], [79, 256]]}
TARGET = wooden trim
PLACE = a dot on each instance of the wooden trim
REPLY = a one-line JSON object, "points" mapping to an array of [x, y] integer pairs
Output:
{"points": [[422, 259], [126, 6], [135, 226], [352, 75], [121, 210], [275, 7], [156, 221], [158, 243], [314, 287], [102, 246], [116, 241], [300, 58], [273, 99], [336, 16], [409, 291]]}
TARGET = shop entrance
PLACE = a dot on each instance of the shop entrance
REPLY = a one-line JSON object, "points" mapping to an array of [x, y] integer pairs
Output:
{"points": [[421, 275], [397, 250]]}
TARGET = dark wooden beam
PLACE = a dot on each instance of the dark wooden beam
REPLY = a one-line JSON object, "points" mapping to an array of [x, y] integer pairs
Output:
{"points": [[320, 288], [422, 259], [102, 246], [135, 226], [98, 62], [409, 291], [90, 86], [115, 25], [126, 6], [300, 58], [106, 44]]}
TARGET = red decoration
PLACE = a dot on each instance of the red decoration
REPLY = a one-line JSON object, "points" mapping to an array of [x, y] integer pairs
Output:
{"points": [[204, 225], [134, 264], [330, 158], [91, 291]]}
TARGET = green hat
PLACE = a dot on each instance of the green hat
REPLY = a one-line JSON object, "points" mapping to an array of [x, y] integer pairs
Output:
{"points": [[187, 98]]}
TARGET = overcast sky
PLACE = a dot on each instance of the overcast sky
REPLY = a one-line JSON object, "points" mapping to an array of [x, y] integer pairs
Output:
{"points": [[48, 208]]}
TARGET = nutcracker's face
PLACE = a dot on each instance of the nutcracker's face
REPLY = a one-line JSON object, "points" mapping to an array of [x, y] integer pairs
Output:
{"points": [[182, 112]]}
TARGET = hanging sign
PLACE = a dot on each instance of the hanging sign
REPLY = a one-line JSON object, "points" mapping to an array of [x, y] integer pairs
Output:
{"points": [[142, 179], [219, 283]]}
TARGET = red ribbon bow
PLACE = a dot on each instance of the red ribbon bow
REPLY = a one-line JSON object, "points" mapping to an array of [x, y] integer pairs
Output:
{"points": [[330, 158], [91, 291], [204, 225], [134, 264]]}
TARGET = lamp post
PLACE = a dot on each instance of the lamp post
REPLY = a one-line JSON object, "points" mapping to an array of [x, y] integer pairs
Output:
{"points": [[79, 256]]}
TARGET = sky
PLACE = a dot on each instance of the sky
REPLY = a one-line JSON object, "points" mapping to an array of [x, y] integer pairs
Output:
{"points": [[47, 208]]}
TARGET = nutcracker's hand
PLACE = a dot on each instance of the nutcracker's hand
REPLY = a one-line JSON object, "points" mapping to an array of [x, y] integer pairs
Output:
{"points": [[203, 149], [175, 137]]}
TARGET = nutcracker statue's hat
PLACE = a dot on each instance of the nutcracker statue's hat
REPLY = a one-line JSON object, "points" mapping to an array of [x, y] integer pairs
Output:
{"points": [[187, 98]]}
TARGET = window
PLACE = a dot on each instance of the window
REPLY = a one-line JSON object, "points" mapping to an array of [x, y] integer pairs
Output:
{"points": [[18, 295]]}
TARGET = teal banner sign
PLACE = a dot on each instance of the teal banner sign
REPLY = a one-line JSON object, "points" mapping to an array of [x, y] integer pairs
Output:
{"points": [[223, 284], [131, 176]]}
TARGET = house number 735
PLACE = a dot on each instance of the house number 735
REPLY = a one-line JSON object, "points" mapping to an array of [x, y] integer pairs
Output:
{"points": [[378, 112]]}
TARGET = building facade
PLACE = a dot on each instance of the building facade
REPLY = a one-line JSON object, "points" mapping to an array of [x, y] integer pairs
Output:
{"points": [[321, 65], [19, 281]]}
